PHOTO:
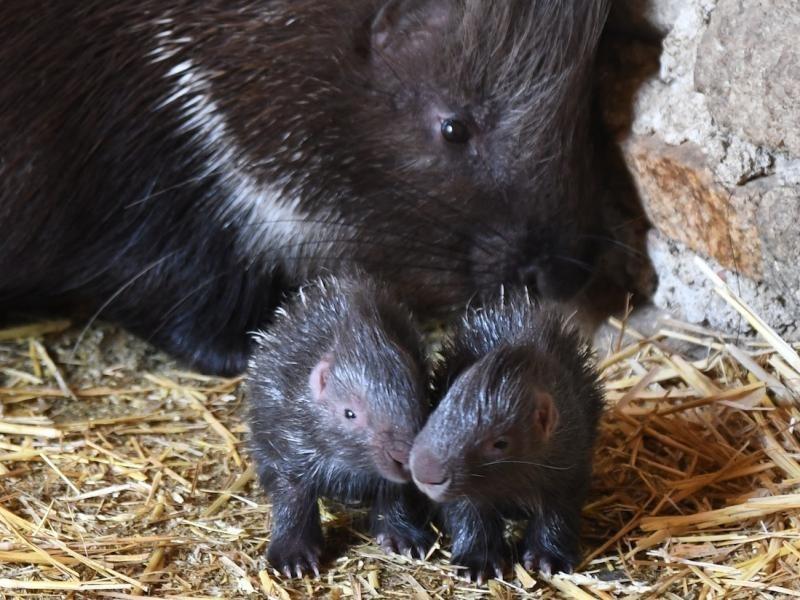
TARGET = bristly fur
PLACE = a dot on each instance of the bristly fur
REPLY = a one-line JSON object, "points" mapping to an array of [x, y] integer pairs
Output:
{"points": [[534, 53], [376, 353], [178, 167], [486, 386]]}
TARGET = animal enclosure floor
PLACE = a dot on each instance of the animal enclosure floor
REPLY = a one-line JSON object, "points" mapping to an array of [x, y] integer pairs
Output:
{"points": [[122, 476]]}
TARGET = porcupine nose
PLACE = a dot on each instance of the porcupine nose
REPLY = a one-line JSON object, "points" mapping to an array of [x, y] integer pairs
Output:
{"points": [[399, 454], [396, 462], [429, 474]]}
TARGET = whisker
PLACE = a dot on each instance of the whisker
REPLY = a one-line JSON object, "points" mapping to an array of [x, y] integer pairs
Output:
{"points": [[574, 261], [172, 188], [114, 296], [525, 462], [610, 240], [444, 250], [380, 263], [379, 243], [181, 301]]}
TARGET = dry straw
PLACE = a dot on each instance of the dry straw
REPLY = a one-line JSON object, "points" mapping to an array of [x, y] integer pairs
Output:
{"points": [[122, 477]]}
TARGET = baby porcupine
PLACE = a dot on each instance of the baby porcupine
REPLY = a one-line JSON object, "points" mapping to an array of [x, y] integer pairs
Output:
{"points": [[337, 394], [512, 436]]}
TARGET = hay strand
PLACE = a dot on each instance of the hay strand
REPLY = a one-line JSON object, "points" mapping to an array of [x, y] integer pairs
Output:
{"points": [[122, 476]]}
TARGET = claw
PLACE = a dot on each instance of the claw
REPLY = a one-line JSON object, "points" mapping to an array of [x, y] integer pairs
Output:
{"points": [[530, 561], [399, 544], [529, 566], [386, 543], [296, 562], [545, 567], [546, 564], [479, 569]]}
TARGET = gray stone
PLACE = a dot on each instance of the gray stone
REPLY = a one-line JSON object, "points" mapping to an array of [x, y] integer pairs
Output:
{"points": [[669, 105], [748, 66], [685, 291], [685, 204], [738, 161], [778, 219], [711, 135], [645, 17]]}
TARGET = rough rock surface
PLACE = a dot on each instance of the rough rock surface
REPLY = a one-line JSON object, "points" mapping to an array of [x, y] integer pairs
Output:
{"points": [[686, 205], [709, 121], [748, 66], [649, 17]]}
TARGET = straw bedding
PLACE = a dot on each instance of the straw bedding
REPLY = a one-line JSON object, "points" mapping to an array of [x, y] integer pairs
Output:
{"points": [[121, 476]]}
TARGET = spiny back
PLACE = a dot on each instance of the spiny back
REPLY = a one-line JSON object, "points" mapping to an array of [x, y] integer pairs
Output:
{"points": [[514, 321]]}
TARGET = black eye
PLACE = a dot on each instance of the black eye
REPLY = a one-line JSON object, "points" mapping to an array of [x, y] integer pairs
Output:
{"points": [[455, 131], [349, 414], [501, 444]]}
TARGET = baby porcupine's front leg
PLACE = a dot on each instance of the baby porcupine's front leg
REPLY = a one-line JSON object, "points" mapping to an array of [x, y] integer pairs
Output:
{"points": [[400, 517], [478, 537], [296, 543], [551, 540]]}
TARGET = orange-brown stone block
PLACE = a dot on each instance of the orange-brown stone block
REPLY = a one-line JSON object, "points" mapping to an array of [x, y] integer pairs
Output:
{"points": [[685, 203]]}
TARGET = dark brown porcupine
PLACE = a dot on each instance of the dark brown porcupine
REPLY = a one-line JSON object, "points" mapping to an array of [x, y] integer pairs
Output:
{"points": [[336, 395], [512, 436]]}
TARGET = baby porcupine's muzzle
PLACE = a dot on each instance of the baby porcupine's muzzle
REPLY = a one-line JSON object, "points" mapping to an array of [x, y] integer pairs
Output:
{"points": [[430, 474], [392, 461]]}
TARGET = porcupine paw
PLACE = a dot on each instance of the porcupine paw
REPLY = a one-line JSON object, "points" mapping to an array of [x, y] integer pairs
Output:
{"points": [[413, 541], [481, 564], [548, 561], [295, 557]]}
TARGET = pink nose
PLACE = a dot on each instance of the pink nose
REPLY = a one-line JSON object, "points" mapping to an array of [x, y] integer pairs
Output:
{"points": [[399, 454], [394, 463], [430, 474]]}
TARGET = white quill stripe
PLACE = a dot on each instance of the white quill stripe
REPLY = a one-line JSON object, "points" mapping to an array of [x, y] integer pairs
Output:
{"points": [[263, 216]]}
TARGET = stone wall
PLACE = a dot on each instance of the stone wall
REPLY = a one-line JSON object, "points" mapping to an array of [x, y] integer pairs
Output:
{"points": [[704, 99]]}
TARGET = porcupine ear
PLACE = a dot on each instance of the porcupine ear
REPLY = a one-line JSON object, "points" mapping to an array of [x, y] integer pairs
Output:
{"points": [[545, 416], [318, 379], [406, 25]]}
